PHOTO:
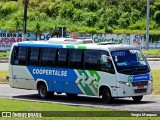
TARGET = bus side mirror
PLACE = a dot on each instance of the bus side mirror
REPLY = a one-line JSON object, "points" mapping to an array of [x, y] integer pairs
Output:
{"points": [[105, 58]]}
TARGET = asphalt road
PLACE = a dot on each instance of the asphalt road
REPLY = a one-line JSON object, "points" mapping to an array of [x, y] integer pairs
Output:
{"points": [[155, 65], [150, 103], [3, 66]]}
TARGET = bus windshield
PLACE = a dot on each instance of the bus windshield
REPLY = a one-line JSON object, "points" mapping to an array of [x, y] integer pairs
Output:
{"points": [[130, 62]]}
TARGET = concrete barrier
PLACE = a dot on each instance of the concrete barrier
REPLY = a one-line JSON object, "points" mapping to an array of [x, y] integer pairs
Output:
{"points": [[3, 59], [153, 59]]}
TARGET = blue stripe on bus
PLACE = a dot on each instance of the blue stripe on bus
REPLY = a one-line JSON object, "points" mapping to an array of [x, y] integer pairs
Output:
{"points": [[39, 45], [58, 79]]}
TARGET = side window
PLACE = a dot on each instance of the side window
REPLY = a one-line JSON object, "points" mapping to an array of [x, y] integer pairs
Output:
{"points": [[22, 56], [91, 59], [48, 57], [15, 56], [108, 66], [62, 58], [76, 59], [33, 56], [19, 56]]}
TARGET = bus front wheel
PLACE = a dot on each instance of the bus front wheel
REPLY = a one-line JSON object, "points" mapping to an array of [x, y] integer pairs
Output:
{"points": [[43, 93], [106, 96], [137, 98]]}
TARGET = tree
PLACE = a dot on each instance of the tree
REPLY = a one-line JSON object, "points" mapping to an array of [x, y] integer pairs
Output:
{"points": [[102, 15], [124, 20], [17, 24], [38, 30], [9, 7], [66, 10], [157, 16]]}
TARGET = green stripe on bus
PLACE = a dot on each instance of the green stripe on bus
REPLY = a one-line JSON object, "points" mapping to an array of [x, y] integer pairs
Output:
{"points": [[130, 78], [95, 81], [81, 84], [69, 46], [82, 47], [86, 88]]}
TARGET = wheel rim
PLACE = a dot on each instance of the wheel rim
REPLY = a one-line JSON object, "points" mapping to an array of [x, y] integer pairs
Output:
{"points": [[106, 96], [43, 91]]}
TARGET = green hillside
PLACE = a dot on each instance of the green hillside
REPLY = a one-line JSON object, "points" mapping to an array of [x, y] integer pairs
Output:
{"points": [[93, 16]]}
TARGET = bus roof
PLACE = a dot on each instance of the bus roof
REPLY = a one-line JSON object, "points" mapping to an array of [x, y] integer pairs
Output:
{"points": [[69, 41], [111, 47]]}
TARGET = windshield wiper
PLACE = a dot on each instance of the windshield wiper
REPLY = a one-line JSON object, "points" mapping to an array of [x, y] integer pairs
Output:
{"points": [[141, 68], [126, 70]]}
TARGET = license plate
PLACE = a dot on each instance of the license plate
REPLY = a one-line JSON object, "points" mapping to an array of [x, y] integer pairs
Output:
{"points": [[140, 87]]}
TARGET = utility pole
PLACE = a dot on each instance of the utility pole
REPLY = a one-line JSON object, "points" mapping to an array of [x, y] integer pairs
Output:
{"points": [[147, 24], [62, 32], [24, 20]]}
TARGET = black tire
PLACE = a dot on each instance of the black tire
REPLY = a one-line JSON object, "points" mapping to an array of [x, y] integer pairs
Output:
{"points": [[71, 95], [106, 96], [137, 98], [43, 93]]}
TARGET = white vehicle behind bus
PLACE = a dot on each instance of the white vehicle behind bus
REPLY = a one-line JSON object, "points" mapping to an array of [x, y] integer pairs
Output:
{"points": [[70, 66]]}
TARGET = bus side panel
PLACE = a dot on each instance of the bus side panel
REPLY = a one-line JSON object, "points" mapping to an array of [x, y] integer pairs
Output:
{"points": [[10, 67], [71, 87], [57, 79], [10, 75], [58, 86], [109, 80], [22, 78], [89, 81], [73, 81]]}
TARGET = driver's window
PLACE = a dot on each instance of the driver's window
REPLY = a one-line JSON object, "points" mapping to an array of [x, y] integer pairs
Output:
{"points": [[106, 66]]}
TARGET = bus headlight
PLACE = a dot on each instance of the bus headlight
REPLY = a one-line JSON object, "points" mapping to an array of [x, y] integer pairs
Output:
{"points": [[127, 83], [150, 81], [124, 83]]}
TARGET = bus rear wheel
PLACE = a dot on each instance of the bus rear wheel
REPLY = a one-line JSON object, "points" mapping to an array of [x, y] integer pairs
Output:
{"points": [[43, 93], [137, 98], [106, 96]]}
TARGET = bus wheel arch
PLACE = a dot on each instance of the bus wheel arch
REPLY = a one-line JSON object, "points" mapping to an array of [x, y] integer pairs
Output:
{"points": [[105, 92], [43, 90]]}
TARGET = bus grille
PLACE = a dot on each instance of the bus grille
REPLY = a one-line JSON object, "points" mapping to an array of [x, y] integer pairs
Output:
{"points": [[140, 83], [140, 90]]}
